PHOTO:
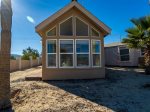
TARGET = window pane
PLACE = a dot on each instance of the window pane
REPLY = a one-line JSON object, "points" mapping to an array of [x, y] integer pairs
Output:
{"points": [[51, 46], [82, 60], [95, 46], [66, 46], [125, 58], [142, 51], [96, 60], [82, 46], [51, 60], [66, 60], [81, 28], [66, 28], [124, 51], [95, 33], [52, 32]]}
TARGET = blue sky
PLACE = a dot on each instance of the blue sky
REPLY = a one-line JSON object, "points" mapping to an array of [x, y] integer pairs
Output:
{"points": [[29, 13]]}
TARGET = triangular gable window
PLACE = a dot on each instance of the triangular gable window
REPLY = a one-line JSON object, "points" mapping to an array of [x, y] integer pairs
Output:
{"points": [[52, 32], [81, 28], [66, 28], [95, 33]]}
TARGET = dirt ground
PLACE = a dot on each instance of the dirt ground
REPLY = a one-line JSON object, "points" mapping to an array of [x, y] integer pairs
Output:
{"points": [[124, 90]]}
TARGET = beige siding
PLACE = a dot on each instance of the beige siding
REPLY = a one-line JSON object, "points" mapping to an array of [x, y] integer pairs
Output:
{"points": [[63, 74]]}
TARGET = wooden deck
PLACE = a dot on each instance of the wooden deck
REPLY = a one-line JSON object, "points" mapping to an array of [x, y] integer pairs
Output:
{"points": [[34, 77]]}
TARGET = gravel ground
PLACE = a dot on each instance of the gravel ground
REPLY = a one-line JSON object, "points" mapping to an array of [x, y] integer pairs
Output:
{"points": [[124, 90]]}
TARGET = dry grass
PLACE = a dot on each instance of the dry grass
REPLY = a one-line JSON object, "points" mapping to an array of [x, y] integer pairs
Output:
{"points": [[122, 91]]}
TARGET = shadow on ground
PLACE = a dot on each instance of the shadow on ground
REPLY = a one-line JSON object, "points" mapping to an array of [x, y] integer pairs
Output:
{"points": [[7, 110], [122, 90]]}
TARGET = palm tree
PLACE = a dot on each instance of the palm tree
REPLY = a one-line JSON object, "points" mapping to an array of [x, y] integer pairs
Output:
{"points": [[6, 21], [139, 37]]}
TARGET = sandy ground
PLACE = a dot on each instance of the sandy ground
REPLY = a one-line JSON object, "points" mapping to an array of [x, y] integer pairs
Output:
{"points": [[124, 90]]}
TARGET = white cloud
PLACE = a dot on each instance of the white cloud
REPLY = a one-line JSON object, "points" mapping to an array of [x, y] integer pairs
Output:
{"points": [[30, 19]]}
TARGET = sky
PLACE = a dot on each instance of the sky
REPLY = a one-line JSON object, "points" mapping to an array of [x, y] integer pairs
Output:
{"points": [[114, 13]]}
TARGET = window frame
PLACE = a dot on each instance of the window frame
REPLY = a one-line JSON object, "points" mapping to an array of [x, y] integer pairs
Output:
{"points": [[72, 27], [89, 65], [51, 53], [50, 30], [77, 17], [96, 31], [92, 53], [66, 53], [124, 54]]}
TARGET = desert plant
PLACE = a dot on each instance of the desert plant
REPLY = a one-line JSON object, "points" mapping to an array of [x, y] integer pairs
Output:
{"points": [[139, 37]]}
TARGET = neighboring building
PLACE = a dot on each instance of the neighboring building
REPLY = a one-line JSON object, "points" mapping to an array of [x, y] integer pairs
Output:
{"points": [[73, 44], [118, 54]]}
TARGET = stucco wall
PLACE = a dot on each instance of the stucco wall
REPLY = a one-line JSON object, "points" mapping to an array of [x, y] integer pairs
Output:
{"points": [[34, 63], [14, 65], [25, 64]]}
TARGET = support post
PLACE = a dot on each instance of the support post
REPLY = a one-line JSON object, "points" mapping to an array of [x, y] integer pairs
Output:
{"points": [[6, 23]]}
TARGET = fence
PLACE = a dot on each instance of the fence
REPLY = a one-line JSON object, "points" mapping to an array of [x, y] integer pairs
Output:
{"points": [[20, 64]]}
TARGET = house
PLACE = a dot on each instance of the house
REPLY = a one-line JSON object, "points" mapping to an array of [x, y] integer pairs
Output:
{"points": [[72, 44], [118, 54]]}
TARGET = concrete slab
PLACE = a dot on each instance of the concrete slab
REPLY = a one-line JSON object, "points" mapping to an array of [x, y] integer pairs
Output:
{"points": [[34, 77]]}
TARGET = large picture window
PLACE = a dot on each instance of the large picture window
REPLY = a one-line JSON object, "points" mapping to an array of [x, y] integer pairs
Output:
{"points": [[66, 53], [96, 53], [51, 54], [66, 28], [85, 54], [82, 53], [124, 54]]}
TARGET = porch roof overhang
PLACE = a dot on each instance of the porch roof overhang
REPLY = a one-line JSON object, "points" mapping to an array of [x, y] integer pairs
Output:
{"points": [[75, 4]]}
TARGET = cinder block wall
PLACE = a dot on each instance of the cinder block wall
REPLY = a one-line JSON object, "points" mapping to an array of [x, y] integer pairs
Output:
{"points": [[19, 64]]}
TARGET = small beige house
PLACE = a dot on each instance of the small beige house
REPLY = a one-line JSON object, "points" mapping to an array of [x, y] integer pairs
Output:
{"points": [[72, 44], [118, 54]]}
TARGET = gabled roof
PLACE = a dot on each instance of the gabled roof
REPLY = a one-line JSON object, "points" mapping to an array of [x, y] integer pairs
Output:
{"points": [[67, 8]]}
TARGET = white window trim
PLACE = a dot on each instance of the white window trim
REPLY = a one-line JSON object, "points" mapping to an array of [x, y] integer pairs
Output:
{"points": [[50, 30], [51, 53], [96, 31], [76, 25], [66, 53], [82, 53], [72, 27], [95, 53], [124, 54]]}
